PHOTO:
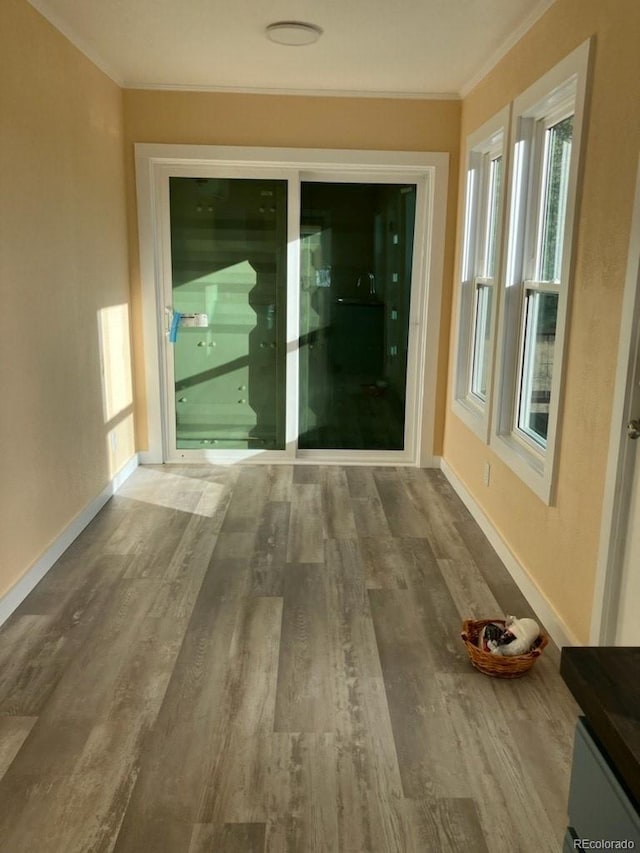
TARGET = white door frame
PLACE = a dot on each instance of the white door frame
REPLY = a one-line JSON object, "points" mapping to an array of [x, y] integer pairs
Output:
{"points": [[427, 170], [622, 451]]}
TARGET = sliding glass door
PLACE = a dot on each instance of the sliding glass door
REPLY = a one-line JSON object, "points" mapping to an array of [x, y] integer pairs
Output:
{"points": [[356, 242], [287, 315], [228, 318]]}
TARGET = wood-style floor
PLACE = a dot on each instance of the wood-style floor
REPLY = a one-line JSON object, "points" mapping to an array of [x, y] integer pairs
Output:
{"points": [[268, 659]]}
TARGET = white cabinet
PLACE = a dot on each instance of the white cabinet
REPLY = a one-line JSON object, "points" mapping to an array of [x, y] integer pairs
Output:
{"points": [[599, 807]]}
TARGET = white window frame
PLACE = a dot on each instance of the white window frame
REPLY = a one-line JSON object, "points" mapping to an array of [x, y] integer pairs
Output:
{"points": [[482, 147], [560, 92]]}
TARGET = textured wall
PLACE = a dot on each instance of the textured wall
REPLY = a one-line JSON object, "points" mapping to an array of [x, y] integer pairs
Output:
{"points": [[64, 286], [558, 545], [288, 121]]}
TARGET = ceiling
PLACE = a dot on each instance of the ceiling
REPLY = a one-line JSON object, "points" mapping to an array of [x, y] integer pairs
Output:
{"points": [[415, 48]]}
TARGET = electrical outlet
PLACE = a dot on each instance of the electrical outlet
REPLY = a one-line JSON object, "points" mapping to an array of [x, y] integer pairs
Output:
{"points": [[486, 473]]}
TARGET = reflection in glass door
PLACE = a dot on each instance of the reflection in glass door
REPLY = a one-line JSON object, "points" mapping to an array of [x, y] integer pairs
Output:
{"points": [[356, 242], [228, 281]]}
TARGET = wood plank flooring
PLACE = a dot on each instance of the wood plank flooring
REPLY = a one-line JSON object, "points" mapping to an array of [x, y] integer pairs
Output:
{"points": [[267, 660]]}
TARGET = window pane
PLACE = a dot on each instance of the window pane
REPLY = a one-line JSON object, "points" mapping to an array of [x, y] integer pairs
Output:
{"points": [[355, 300], [481, 341], [469, 217], [557, 156], [229, 281], [493, 213], [537, 364]]}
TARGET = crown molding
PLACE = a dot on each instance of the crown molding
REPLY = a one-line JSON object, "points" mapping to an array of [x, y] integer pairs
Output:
{"points": [[88, 50], [42, 6], [303, 93], [534, 16]]}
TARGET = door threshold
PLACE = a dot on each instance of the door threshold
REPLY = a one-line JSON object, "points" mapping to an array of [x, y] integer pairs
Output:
{"points": [[389, 458]]}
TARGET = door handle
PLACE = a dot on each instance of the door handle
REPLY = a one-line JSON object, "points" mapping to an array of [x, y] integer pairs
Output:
{"points": [[633, 429]]}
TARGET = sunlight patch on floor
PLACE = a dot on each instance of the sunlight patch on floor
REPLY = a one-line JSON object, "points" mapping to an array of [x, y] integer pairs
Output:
{"points": [[163, 488]]}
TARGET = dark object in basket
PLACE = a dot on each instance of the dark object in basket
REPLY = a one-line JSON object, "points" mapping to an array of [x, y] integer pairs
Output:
{"points": [[491, 636], [498, 666]]}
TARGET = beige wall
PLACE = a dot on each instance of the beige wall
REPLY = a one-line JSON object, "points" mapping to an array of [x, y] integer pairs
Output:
{"points": [[558, 545], [63, 270], [305, 122]]}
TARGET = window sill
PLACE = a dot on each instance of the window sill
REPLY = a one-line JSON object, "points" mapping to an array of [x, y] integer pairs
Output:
{"points": [[534, 470], [473, 417]]}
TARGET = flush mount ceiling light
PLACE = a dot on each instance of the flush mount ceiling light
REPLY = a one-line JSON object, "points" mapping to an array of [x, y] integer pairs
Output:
{"points": [[293, 33]]}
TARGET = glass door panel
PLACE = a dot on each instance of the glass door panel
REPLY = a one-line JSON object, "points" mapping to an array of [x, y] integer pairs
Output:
{"points": [[356, 245], [229, 279]]}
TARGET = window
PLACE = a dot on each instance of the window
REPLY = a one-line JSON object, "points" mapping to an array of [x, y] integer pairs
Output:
{"points": [[479, 273], [542, 290], [546, 127], [492, 169]]}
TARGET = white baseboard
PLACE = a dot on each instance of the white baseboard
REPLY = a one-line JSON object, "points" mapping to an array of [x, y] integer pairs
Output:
{"points": [[149, 457], [558, 630], [16, 595], [122, 476], [433, 462]]}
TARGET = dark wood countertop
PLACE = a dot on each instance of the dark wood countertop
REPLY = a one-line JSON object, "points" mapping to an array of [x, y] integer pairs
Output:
{"points": [[605, 682]]}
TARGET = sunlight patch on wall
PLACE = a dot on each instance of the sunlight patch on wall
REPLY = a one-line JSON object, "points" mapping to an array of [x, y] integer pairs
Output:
{"points": [[115, 360], [120, 444], [117, 387]]}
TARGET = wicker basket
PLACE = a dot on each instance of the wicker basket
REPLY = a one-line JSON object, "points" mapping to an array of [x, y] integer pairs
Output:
{"points": [[498, 666]]}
